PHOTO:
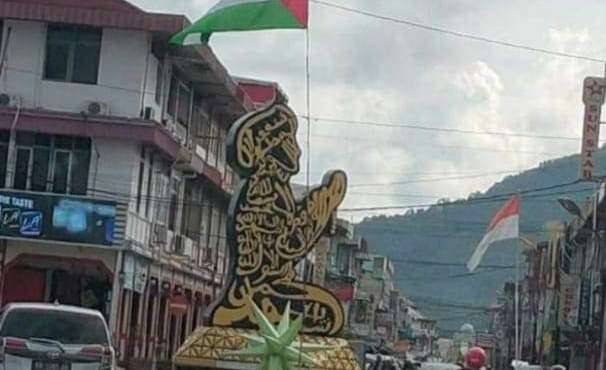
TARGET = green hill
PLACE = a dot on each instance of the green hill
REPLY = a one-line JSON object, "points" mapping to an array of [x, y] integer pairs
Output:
{"points": [[448, 233]]}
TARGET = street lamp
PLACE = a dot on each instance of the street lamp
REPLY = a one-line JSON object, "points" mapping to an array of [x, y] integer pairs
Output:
{"points": [[570, 206]]}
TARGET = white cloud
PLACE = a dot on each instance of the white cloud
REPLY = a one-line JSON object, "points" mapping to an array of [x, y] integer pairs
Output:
{"points": [[371, 70]]}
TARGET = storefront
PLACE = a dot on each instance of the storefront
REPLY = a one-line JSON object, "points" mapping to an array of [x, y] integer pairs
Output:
{"points": [[57, 248]]}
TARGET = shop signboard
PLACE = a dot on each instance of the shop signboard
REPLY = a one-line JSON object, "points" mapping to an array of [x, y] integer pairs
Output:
{"points": [[569, 295], [585, 302], [593, 98], [56, 218]]}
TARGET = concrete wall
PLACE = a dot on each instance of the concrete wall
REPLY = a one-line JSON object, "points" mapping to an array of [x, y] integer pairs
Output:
{"points": [[122, 70]]}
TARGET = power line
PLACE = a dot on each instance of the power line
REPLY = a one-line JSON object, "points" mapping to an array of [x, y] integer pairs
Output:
{"points": [[460, 202], [439, 179], [434, 263], [441, 129], [434, 144], [460, 34]]}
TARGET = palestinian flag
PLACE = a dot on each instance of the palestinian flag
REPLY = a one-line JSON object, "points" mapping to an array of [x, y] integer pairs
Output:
{"points": [[245, 15]]}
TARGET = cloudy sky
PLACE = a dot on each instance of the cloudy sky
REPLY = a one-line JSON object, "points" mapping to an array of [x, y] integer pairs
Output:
{"points": [[366, 69]]}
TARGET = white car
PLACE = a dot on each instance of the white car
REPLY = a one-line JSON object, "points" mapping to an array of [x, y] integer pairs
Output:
{"points": [[39, 336], [438, 366]]}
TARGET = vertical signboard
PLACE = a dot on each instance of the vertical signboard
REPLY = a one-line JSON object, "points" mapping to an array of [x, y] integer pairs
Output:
{"points": [[569, 305], [593, 99], [585, 302]]}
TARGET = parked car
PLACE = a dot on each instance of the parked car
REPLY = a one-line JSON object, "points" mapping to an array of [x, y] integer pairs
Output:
{"points": [[38, 336]]}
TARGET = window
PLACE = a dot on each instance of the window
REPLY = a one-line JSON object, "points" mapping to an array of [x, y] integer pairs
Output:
{"points": [[140, 179], [62, 326], [159, 83], [61, 171], [72, 54], [179, 101], [71, 159], [344, 255], [174, 205], [204, 136], [22, 168], [4, 139], [183, 105], [214, 230], [162, 191], [192, 211], [171, 107], [205, 223], [150, 174], [214, 144], [65, 159]]}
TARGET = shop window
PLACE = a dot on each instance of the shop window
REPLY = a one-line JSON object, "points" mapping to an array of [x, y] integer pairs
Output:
{"points": [[4, 139], [72, 54]]}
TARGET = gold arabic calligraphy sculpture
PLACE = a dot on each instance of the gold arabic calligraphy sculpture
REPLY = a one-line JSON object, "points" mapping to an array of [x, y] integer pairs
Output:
{"points": [[269, 231]]}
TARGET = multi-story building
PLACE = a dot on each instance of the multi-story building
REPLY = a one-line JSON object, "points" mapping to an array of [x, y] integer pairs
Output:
{"points": [[342, 272], [113, 177]]}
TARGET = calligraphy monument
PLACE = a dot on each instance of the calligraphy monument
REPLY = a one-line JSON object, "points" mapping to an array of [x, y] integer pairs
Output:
{"points": [[269, 232]]}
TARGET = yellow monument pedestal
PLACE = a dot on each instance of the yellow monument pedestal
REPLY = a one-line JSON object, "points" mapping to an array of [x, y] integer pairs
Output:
{"points": [[210, 347]]}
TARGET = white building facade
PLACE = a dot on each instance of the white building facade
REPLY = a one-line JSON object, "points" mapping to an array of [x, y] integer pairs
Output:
{"points": [[114, 185]]}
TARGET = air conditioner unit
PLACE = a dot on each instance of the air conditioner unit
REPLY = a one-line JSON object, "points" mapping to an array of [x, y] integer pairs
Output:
{"points": [[97, 108], [159, 234], [9, 101]]}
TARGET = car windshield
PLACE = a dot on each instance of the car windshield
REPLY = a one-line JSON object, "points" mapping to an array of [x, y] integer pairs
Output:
{"points": [[61, 326]]}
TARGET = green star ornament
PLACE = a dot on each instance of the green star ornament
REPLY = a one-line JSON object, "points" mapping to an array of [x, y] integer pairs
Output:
{"points": [[276, 346]]}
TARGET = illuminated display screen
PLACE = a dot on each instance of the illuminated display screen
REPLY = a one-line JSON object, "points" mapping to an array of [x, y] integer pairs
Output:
{"points": [[60, 218]]}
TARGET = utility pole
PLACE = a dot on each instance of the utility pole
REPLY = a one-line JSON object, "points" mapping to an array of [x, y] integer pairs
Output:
{"points": [[602, 269]]}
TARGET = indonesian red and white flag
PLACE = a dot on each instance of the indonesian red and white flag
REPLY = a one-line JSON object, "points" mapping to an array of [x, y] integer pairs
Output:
{"points": [[504, 225]]}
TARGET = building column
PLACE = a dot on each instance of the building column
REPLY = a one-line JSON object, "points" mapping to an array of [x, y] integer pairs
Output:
{"points": [[3, 249], [116, 288]]}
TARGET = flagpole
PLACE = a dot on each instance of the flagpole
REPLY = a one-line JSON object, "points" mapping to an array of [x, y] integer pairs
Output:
{"points": [[517, 294], [308, 107]]}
